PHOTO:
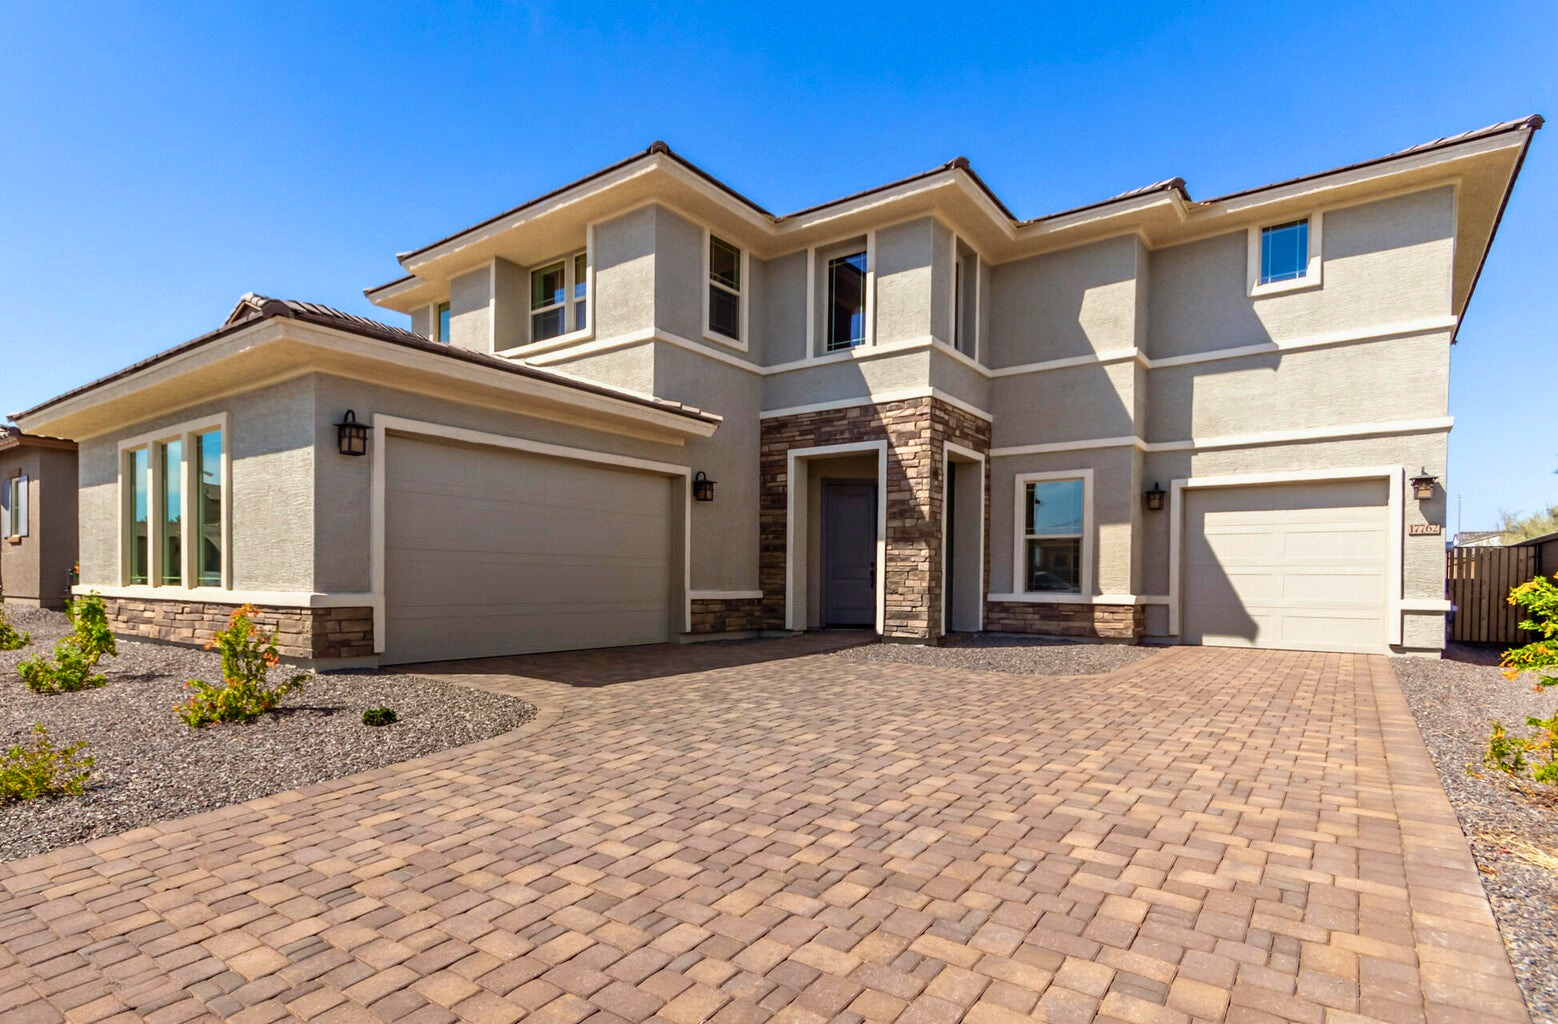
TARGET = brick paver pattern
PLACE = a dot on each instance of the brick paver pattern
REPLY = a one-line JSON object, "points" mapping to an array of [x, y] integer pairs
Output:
{"points": [[1206, 835]]}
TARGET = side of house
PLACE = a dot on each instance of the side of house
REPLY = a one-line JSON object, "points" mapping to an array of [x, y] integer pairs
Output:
{"points": [[38, 531]]}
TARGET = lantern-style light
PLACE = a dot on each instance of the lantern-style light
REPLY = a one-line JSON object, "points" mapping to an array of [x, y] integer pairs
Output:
{"points": [[1423, 485], [1154, 497], [702, 486], [351, 435]]}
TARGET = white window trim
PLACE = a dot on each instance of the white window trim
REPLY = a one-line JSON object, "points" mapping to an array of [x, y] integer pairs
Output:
{"points": [[186, 433], [815, 344], [570, 281], [742, 294], [1312, 270], [1395, 477], [977, 326], [435, 326], [1020, 536], [18, 509]]}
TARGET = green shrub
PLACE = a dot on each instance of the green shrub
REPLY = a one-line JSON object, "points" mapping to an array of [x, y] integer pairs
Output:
{"points": [[379, 716], [10, 638], [244, 693], [1539, 749], [77, 653], [42, 769]]}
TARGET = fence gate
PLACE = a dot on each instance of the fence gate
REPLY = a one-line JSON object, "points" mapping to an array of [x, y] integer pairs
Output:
{"points": [[1478, 584]]}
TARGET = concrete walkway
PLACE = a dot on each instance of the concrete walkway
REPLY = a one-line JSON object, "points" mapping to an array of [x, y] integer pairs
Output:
{"points": [[737, 834]]}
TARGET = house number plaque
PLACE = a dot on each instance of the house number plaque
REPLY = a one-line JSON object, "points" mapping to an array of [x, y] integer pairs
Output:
{"points": [[1424, 529]]}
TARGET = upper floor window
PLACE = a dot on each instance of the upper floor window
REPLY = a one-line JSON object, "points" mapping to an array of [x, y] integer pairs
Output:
{"points": [[846, 301], [965, 300], [13, 507], [724, 288], [1284, 251], [559, 297], [1054, 549], [441, 324], [1285, 257]]}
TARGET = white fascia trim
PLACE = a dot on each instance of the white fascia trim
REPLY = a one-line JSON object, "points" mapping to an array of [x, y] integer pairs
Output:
{"points": [[1125, 441], [1236, 440], [1395, 478], [793, 458], [878, 398], [971, 456], [859, 352], [959, 357], [1406, 329], [383, 424], [217, 595], [1041, 598], [1096, 359], [725, 595], [638, 337]]}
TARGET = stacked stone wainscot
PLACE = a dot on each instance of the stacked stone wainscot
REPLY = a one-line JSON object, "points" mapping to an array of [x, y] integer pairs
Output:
{"points": [[727, 615], [1122, 622], [309, 634]]}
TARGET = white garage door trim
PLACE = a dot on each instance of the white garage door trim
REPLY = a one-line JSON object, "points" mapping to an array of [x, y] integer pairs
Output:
{"points": [[1395, 477], [377, 450]]}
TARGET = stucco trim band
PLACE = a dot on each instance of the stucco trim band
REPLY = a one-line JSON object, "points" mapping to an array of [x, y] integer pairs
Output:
{"points": [[879, 398], [1422, 426]]}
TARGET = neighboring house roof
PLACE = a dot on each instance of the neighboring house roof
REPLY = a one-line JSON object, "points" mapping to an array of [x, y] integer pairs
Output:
{"points": [[1176, 185], [12, 437], [1546, 538], [1473, 538], [253, 309]]}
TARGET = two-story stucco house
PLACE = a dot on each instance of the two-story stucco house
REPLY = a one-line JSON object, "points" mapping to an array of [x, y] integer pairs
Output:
{"points": [[643, 408]]}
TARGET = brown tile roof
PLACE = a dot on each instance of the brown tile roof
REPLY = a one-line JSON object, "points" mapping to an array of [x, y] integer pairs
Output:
{"points": [[253, 309]]}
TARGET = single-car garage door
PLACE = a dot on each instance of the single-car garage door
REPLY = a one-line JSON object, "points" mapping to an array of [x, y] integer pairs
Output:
{"points": [[490, 551], [1298, 566]]}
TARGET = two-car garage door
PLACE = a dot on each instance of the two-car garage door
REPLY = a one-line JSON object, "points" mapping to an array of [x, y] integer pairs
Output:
{"points": [[490, 551], [1294, 566]]}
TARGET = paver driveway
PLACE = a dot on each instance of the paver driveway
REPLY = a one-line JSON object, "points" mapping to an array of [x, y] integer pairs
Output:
{"points": [[1207, 835]]}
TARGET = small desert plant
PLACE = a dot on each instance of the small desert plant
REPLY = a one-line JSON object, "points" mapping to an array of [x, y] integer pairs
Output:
{"points": [[10, 638], [77, 653], [42, 769], [1539, 597], [244, 694], [379, 716]]}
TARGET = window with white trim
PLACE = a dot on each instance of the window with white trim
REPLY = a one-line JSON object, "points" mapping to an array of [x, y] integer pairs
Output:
{"points": [[174, 494], [1285, 256], [559, 297], [965, 299], [1054, 542], [442, 327], [846, 308], [13, 507], [725, 287]]}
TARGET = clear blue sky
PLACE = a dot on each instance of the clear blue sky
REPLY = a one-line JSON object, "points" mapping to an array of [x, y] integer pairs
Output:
{"points": [[160, 161]]}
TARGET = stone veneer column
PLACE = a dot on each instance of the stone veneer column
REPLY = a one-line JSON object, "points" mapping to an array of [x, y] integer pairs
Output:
{"points": [[916, 431]]}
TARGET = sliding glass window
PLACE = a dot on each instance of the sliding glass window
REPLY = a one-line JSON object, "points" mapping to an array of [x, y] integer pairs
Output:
{"points": [[208, 509], [137, 470], [171, 470]]}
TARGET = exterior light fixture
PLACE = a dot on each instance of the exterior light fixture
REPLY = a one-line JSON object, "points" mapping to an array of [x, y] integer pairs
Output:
{"points": [[351, 435], [1155, 497], [702, 487], [1423, 485]]}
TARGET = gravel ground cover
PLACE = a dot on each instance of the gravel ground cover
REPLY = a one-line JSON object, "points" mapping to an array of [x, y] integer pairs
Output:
{"points": [[1017, 655], [1513, 829], [152, 767]]}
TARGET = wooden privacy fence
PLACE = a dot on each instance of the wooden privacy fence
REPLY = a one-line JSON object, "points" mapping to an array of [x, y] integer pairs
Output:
{"points": [[1478, 584]]}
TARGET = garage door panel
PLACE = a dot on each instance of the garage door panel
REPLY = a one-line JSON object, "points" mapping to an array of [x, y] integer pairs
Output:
{"points": [[492, 552], [1292, 566]]}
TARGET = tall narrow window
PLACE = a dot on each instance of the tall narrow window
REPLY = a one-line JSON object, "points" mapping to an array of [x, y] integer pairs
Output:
{"points": [[444, 325], [846, 301], [208, 509], [171, 469], [14, 508], [581, 282], [965, 304], [1284, 252], [724, 288], [138, 472], [1053, 536]]}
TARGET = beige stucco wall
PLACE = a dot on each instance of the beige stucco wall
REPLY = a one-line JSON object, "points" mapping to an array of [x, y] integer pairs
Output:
{"points": [[1077, 302], [624, 260], [33, 569], [271, 438]]}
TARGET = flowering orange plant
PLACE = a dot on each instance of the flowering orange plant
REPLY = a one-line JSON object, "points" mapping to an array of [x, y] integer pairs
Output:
{"points": [[248, 655], [1539, 597]]}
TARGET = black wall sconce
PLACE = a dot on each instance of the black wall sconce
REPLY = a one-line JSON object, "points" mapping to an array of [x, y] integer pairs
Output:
{"points": [[1423, 485], [702, 487], [351, 435], [1154, 497]]}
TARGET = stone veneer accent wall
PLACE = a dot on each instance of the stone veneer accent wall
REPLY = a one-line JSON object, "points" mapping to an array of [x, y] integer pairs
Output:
{"points": [[1101, 621], [727, 615], [916, 431], [305, 633]]}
